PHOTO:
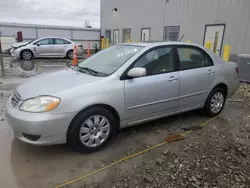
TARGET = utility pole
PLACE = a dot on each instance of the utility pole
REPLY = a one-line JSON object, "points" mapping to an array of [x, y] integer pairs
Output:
{"points": [[1, 60]]}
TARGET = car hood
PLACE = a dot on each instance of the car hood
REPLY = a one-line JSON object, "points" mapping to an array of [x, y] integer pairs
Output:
{"points": [[15, 45], [52, 83]]}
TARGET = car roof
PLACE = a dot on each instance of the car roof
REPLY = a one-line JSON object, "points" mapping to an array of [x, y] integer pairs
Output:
{"points": [[153, 44], [158, 43]]}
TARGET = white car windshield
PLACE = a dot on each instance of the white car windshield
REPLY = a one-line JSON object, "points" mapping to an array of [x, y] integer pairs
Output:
{"points": [[109, 60]]}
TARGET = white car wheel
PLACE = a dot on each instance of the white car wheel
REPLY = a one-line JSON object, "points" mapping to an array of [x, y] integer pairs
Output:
{"points": [[26, 54]]}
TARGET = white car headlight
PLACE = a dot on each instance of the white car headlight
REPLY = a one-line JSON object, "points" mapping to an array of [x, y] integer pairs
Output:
{"points": [[40, 104]]}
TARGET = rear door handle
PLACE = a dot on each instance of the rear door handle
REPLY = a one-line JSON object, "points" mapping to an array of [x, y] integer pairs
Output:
{"points": [[210, 71], [172, 78]]}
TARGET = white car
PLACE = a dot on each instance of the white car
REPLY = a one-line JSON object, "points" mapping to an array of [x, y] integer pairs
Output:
{"points": [[44, 47]]}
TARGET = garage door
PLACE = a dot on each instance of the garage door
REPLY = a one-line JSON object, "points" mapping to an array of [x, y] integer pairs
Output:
{"points": [[215, 34]]}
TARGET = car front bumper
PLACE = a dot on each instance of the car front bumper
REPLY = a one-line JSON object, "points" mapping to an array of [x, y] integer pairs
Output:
{"points": [[51, 128], [14, 53]]}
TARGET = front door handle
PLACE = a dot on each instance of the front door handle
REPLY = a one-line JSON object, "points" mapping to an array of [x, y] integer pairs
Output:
{"points": [[172, 78]]}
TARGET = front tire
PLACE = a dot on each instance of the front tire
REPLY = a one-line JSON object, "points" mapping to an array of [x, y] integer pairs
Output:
{"points": [[91, 129], [215, 102], [26, 55]]}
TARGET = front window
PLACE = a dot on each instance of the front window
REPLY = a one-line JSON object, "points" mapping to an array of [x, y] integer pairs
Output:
{"points": [[109, 60], [158, 61], [45, 42]]}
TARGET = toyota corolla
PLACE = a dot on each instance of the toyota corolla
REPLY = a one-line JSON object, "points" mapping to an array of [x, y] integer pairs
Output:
{"points": [[121, 86]]}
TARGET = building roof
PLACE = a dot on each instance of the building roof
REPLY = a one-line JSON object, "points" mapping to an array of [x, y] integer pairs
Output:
{"points": [[45, 26]]}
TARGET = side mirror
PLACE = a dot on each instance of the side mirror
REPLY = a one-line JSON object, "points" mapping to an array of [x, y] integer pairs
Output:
{"points": [[38, 44], [137, 72]]}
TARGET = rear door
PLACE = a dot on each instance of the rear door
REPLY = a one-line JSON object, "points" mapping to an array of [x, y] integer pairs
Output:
{"points": [[60, 47], [196, 76], [155, 94]]}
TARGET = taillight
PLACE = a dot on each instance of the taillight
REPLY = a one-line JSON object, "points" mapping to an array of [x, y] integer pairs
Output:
{"points": [[237, 69]]}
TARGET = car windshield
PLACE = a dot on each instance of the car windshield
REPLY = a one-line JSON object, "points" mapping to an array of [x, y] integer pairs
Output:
{"points": [[109, 60], [31, 41]]}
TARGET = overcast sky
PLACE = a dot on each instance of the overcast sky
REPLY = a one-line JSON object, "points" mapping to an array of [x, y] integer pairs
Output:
{"points": [[51, 12]]}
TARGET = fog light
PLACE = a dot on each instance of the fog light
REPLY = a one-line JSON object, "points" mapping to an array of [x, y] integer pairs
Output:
{"points": [[32, 137]]}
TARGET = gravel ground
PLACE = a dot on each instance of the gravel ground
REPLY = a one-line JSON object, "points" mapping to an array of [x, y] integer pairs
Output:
{"points": [[242, 95], [216, 156]]}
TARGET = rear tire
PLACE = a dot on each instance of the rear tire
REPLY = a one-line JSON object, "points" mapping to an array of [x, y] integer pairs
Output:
{"points": [[91, 129], [70, 54], [26, 55], [215, 102]]}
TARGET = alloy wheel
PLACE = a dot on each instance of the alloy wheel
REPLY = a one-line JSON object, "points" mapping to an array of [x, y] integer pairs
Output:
{"points": [[27, 55], [70, 55], [94, 131], [217, 102]]}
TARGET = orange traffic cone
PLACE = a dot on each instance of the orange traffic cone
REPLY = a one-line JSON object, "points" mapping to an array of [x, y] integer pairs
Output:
{"points": [[88, 49], [74, 62]]}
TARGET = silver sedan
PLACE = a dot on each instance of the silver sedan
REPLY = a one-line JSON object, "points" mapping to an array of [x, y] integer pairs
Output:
{"points": [[44, 47], [121, 86]]}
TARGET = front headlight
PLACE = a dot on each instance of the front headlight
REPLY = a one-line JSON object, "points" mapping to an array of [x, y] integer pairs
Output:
{"points": [[40, 104]]}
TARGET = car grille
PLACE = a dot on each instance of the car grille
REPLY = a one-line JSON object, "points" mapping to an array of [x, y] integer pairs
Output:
{"points": [[15, 98]]}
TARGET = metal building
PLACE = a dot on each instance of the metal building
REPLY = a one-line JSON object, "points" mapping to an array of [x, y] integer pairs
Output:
{"points": [[30, 32], [228, 21]]}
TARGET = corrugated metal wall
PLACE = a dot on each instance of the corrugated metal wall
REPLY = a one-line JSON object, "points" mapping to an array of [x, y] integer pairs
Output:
{"points": [[47, 32], [30, 32], [190, 15], [8, 30]]}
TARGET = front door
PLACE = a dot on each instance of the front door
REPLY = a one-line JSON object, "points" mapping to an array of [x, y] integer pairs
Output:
{"points": [[44, 47], [196, 76], [156, 94], [215, 34]]}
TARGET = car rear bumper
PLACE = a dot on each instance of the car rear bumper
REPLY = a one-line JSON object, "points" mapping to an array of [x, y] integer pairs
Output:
{"points": [[233, 87], [47, 127]]}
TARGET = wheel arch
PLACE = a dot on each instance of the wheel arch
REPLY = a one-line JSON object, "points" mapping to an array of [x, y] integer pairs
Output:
{"points": [[101, 105], [26, 49], [223, 86], [68, 50]]}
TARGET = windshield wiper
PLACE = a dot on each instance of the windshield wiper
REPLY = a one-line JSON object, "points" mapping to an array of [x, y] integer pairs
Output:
{"points": [[89, 70]]}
